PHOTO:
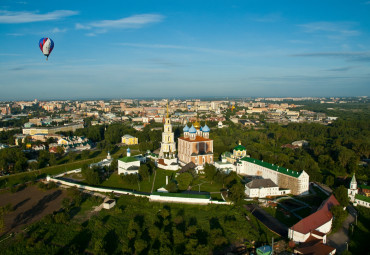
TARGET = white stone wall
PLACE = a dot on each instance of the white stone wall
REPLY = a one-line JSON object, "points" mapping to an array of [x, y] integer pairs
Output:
{"points": [[103, 190], [362, 203], [297, 236], [122, 167], [262, 192], [168, 164], [326, 227], [186, 200]]}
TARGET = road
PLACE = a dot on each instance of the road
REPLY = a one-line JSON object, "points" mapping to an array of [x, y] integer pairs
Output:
{"points": [[338, 240]]}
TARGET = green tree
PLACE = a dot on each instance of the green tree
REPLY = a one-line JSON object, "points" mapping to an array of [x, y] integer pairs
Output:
{"points": [[144, 171], [172, 187], [339, 217], [237, 193], [329, 180], [210, 171], [341, 194], [184, 180]]}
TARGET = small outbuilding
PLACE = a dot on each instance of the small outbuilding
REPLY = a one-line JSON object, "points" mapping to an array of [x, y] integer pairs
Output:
{"points": [[108, 204]]}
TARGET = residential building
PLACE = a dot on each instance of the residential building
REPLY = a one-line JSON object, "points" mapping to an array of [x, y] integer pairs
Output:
{"points": [[75, 143], [129, 140], [261, 188], [52, 130]]}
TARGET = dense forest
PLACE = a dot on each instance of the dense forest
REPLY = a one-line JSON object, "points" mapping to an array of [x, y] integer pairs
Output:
{"points": [[334, 150]]}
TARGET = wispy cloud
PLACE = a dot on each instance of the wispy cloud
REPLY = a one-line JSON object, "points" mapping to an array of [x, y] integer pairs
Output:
{"points": [[177, 47], [9, 17], [135, 21], [15, 34], [9, 54], [18, 68], [340, 69], [58, 30], [337, 28], [349, 56]]}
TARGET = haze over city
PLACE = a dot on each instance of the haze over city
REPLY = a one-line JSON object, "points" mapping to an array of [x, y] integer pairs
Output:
{"points": [[184, 48]]}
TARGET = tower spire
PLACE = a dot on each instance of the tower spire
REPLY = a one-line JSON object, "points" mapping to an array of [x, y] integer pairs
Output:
{"points": [[167, 109]]}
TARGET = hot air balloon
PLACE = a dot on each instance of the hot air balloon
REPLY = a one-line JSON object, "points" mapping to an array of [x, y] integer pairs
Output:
{"points": [[46, 46]]}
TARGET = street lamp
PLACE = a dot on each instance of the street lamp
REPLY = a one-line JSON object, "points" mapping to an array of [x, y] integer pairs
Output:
{"points": [[200, 184]]}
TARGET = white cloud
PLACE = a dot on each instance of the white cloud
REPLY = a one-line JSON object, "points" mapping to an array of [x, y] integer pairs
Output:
{"points": [[15, 34], [363, 56], [58, 30], [339, 28], [9, 17], [135, 21]]}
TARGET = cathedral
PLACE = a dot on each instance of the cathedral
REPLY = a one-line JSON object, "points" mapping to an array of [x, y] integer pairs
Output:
{"points": [[195, 145]]}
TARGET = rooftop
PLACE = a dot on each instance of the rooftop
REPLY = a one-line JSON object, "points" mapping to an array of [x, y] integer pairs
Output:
{"points": [[362, 198], [258, 183], [128, 159], [239, 148], [318, 218], [272, 167]]}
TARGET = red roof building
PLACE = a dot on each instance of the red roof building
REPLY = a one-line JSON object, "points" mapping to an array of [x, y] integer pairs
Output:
{"points": [[320, 221]]}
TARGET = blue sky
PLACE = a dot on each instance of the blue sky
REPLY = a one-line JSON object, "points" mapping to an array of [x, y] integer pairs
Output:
{"points": [[120, 49]]}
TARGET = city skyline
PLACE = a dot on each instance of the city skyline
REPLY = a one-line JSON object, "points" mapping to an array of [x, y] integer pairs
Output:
{"points": [[140, 49]]}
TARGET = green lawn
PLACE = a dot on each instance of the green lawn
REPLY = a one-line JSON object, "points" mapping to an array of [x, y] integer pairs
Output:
{"points": [[160, 180], [116, 181]]}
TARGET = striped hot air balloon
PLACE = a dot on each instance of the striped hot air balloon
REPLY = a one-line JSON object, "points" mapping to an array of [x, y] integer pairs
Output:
{"points": [[46, 46]]}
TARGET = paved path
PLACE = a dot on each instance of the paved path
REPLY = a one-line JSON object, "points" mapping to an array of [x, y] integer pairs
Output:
{"points": [[155, 174], [338, 240], [268, 220]]}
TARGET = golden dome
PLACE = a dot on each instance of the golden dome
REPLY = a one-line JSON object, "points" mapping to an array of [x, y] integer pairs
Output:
{"points": [[196, 125]]}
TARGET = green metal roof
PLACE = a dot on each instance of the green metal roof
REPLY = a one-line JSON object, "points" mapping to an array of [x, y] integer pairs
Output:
{"points": [[272, 167], [364, 187], [362, 197], [239, 148], [227, 154], [128, 159], [185, 195]]}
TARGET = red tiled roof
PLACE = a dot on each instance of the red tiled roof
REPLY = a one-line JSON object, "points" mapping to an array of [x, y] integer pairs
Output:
{"points": [[161, 161], [197, 139], [318, 233], [314, 248], [317, 219]]}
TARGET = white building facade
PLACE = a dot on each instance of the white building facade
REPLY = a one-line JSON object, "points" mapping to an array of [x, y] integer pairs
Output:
{"points": [[296, 182]]}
